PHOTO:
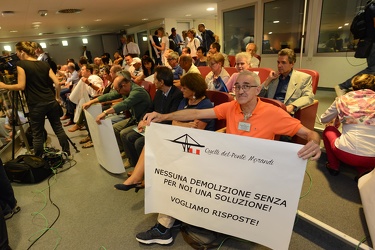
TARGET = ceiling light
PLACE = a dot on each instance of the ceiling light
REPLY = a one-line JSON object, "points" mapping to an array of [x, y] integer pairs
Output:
{"points": [[7, 13], [144, 38], [64, 43], [210, 9], [69, 11], [13, 31], [188, 15], [144, 19], [36, 23], [97, 20], [44, 45], [340, 27], [346, 24], [85, 41], [7, 48], [42, 12], [276, 21], [269, 33]]}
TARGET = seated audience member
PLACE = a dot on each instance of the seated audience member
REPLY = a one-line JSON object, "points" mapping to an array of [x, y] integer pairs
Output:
{"points": [[218, 76], [193, 43], [251, 48], [242, 63], [292, 87], [173, 62], [246, 109], [166, 100], [186, 51], [135, 99], [201, 59], [215, 48], [137, 64], [117, 58], [69, 83], [186, 63], [77, 66], [127, 64], [148, 69], [356, 112], [194, 92], [93, 84]]}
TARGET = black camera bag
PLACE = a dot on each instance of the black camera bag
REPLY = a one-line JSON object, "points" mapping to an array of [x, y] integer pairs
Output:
{"points": [[27, 169]]}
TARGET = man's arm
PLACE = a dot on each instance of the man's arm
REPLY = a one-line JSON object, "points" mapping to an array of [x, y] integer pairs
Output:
{"points": [[181, 115], [312, 148]]}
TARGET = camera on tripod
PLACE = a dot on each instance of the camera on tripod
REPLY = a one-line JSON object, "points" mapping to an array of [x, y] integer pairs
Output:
{"points": [[8, 68]]}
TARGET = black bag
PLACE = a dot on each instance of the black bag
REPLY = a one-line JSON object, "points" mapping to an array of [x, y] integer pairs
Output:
{"points": [[358, 26], [27, 169], [201, 238], [363, 49]]}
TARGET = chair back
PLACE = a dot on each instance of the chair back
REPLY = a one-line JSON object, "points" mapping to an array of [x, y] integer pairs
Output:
{"points": [[258, 57], [152, 90], [232, 60], [204, 70], [277, 103], [231, 70], [218, 97], [315, 78], [145, 85], [263, 73]]}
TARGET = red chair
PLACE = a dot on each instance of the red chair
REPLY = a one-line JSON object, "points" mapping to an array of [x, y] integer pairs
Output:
{"points": [[218, 97], [204, 70], [263, 73], [307, 114], [230, 70], [152, 90], [145, 85], [232, 60]]}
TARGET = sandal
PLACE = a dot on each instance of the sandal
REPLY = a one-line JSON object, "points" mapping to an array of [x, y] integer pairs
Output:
{"points": [[88, 144], [84, 140]]}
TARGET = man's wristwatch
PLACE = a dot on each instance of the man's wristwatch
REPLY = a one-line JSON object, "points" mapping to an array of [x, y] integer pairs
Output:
{"points": [[105, 112]]}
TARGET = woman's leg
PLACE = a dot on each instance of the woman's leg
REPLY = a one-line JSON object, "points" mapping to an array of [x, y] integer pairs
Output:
{"points": [[139, 170], [330, 134]]}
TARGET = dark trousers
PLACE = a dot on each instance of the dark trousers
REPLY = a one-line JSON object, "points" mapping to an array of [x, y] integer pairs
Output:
{"points": [[37, 119], [4, 243], [7, 199], [70, 107], [133, 144]]}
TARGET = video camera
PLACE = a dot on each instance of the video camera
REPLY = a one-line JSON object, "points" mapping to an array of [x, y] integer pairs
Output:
{"points": [[8, 68]]}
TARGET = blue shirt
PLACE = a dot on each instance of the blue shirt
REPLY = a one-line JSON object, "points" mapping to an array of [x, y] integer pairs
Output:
{"points": [[282, 87], [177, 72]]}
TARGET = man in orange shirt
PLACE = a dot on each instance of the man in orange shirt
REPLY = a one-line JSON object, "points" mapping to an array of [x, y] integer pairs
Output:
{"points": [[247, 116]]}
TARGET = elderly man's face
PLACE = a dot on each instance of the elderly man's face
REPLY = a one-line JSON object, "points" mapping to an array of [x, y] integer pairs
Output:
{"points": [[121, 86], [246, 89], [251, 49]]}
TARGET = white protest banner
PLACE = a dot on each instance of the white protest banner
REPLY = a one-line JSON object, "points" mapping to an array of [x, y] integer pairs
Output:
{"points": [[240, 186], [103, 137], [366, 186]]}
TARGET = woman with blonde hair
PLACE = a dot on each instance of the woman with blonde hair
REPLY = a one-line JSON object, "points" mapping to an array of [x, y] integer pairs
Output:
{"points": [[36, 79], [356, 112]]}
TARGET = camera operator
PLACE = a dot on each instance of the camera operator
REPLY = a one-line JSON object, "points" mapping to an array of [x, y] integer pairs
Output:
{"points": [[34, 77]]}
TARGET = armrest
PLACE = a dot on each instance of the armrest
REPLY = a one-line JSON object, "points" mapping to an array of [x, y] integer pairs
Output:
{"points": [[307, 116]]}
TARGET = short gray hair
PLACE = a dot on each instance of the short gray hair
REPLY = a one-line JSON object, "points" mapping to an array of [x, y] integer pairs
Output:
{"points": [[251, 74]]}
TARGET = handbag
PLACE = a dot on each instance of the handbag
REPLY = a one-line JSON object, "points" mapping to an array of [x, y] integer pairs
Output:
{"points": [[363, 49], [27, 169]]}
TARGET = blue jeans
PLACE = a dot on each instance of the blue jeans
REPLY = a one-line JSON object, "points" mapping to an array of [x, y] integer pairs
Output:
{"points": [[37, 119], [369, 70]]}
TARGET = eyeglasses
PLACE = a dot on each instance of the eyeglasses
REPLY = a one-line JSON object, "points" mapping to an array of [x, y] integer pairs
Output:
{"points": [[245, 87]]}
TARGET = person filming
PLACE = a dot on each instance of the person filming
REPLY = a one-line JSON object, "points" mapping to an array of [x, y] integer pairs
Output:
{"points": [[35, 79]]}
